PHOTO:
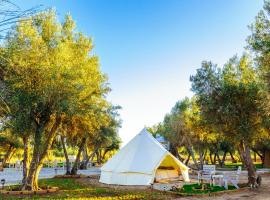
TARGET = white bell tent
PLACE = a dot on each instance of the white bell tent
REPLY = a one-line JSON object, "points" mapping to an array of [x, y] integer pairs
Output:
{"points": [[141, 162]]}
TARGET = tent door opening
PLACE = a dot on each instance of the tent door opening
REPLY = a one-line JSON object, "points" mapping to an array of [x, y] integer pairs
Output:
{"points": [[167, 170]]}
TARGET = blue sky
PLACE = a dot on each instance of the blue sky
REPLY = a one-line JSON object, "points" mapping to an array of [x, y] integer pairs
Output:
{"points": [[149, 48]]}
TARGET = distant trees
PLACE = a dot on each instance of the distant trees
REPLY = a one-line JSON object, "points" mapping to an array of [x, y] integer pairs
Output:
{"points": [[259, 43], [230, 108], [226, 113], [231, 101], [9, 143]]}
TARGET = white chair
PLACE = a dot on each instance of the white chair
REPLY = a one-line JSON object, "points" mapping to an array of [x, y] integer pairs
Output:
{"points": [[232, 177], [207, 173]]}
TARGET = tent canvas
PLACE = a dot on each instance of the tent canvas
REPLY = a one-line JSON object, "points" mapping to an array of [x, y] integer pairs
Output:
{"points": [[141, 161]]}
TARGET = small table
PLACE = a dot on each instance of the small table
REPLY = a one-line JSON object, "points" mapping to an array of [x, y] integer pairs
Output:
{"points": [[219, 177]]}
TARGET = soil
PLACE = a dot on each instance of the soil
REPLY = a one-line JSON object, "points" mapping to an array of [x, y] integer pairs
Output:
{"points": [[262, 193], [94, 181]]}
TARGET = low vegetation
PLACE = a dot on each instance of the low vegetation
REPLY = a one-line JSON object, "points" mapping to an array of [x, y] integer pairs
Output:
{"points": [[72, 189], [193, 189]]}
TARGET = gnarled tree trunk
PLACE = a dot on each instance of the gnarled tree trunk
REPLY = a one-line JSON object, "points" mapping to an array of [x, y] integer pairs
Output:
{"points": [[191, 152], [8, 154], [26, 146], [66, 155], [266, 162], [201, 153], [187, 160], [232, 157], [89, 157], [74, 169], [174, 151], [39, 153], [222, 161], [245, 154]]}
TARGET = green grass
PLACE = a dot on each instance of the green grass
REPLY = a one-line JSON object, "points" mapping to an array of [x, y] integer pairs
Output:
{"points": [[63, 184], [72, 189], [189, 189], [60, 164], [258, 165]]}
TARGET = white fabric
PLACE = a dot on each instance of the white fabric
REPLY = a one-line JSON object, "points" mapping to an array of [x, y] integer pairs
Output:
{"points": [[136, 163]]}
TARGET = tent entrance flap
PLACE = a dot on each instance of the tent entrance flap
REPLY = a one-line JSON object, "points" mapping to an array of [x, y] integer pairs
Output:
{"points": [[168, 162], [167, 169]]}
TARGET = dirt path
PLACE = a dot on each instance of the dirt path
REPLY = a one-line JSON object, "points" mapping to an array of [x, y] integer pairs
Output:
{"points": [[263, 193]]}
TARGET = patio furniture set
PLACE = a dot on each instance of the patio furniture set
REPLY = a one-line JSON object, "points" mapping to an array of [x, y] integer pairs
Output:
{"points": [[209, 174]]}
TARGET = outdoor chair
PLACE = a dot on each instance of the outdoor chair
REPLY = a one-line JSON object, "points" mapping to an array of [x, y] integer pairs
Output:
{"points": [[232, 177], [206, 173]]}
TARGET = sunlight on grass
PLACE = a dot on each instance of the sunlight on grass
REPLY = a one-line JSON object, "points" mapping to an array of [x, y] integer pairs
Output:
{"points": [[72, 189], [189, 189]]}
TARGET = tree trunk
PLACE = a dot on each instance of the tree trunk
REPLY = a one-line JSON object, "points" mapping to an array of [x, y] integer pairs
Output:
{"points": [[85, 162], [232, 157], [174, 151], [74, 169], [266, 159], [84, 153], [39, 153], [262, 156], [191, 152], [201, 159], [26, 146], [98, 157], [204, 156], [36, 174], [104, 154], [218, 158], [245, 154], [8, 155], [211, 158], [215, 158], [66, 156], [187, 160], [223, 159], [29, 183]]}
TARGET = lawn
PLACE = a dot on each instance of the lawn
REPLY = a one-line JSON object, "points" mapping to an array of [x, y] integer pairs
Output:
{"points": [[71, 189], [230, 165], [190, 189], [74, 189]]}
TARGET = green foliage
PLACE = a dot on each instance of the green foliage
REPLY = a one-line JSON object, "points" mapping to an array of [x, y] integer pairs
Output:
{"points": [[189, 189], [52, 84], [230, 99], [174, 126], [8, 139], [49, 70], [259, 43]]}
